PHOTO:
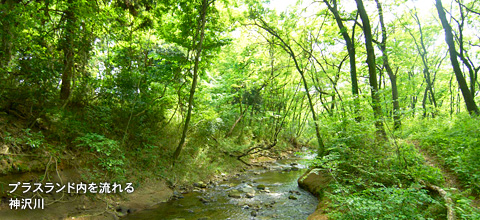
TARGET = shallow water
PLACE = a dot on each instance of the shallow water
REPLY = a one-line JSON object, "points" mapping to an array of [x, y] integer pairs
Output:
{"points": [[216, 203]]}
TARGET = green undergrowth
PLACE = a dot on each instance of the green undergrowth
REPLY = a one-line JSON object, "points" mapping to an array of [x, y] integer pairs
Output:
{"points": [[373, 180], [102, 146], [456, 142]]}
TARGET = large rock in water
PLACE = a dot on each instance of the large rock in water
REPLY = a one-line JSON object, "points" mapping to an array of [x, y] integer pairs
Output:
{"points": [[315, 181], [248, 189]]}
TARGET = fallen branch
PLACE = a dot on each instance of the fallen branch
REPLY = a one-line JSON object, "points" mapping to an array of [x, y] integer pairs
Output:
{"points": [[253, 150], [25, 155], [257, 149]]}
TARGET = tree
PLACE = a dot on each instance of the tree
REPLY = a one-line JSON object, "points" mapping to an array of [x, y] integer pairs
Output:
{"points": [[7, 21], [422, 50], [462, 83], [68, 48], [351, 52], [377, 109], [301, 70], [198, 46], [386, 64]]}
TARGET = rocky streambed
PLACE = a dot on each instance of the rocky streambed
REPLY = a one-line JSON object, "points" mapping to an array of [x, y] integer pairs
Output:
{"points": [[267, 192]]}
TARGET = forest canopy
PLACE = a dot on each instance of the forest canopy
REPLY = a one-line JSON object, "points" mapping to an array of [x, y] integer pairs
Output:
{"points": [[165, 86]]}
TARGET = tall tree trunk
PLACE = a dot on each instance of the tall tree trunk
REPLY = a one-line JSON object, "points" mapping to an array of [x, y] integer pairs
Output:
{"points": [[6, 35], [68, 53], [424, 101], [462, 83], [396, 104], [372, 71], [463, 53], [351, 54], [393, 76], [198, 47]]}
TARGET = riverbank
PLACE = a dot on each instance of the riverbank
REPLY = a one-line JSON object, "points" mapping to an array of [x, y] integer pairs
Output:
{"points": [[148, 193], [316, 182], [268, 190], [92, 206]]}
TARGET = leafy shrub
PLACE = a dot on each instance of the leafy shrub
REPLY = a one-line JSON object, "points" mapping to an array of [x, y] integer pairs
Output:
{"points": [[385, 203], [110, 156], [27, 138], [33, 139]]}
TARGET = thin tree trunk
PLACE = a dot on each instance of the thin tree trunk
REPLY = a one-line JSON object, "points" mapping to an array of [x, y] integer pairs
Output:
{"points": [[396, 104], [452, 97], [6, 36], [68, 53], [236, 122], [372, 71], [424, 102], [426, 69], [351, 54], [198, 47], [462, 52], [462, 83], [391, 75]]}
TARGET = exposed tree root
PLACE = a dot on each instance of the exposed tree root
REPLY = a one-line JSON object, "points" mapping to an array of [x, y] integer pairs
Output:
{"points": [[448, 201]]}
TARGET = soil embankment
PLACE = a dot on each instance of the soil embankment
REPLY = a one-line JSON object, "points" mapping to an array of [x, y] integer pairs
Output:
{"points": [[316, 182]]}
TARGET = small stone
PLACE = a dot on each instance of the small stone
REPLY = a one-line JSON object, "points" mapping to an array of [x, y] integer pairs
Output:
{"points": [[292, 197], [204, 200], [121, 209], [200, 184], [265, 190], [261, 186], [294, 192], [248, 189], [250, 195], [177, 195], [235, 194], [253, 213]]}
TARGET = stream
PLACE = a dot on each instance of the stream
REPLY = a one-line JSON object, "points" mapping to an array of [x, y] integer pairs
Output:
{"points": [[274, 188]]}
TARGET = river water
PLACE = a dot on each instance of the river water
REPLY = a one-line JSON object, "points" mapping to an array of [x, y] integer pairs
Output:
{"points": [[282, 199]]}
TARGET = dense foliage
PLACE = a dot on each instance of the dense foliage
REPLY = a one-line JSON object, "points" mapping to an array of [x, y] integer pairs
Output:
{"points": [[183, 89]]}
